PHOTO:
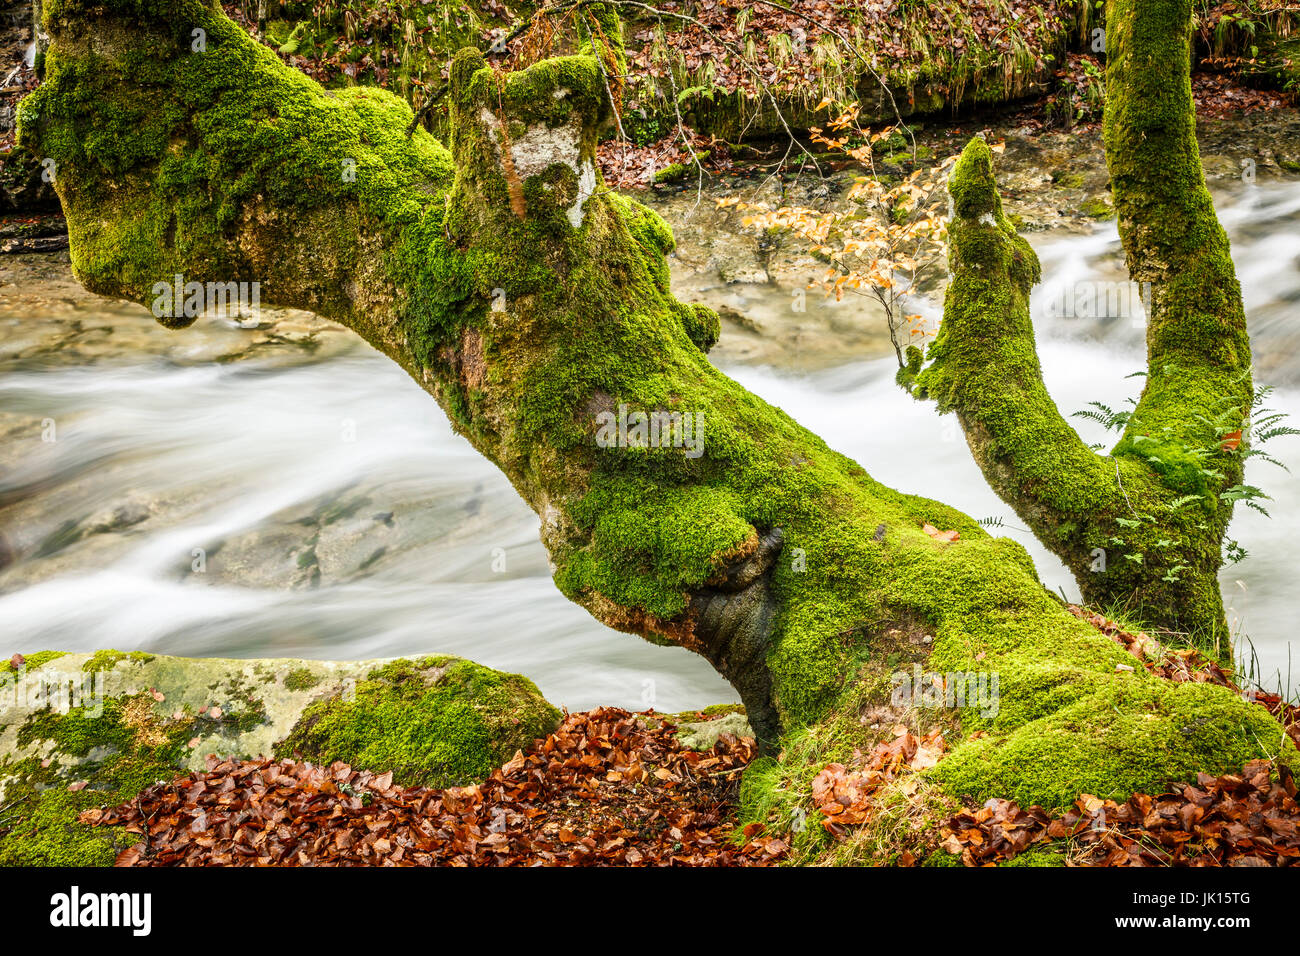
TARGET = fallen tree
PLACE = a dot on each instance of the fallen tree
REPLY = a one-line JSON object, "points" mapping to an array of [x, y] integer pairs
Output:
{"points": [[534, 305]]}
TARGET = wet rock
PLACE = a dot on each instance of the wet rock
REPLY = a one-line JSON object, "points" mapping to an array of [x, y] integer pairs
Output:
{"points": [[47, 319], [703, 734], [119, 518], [24, 184], [83, 731]]}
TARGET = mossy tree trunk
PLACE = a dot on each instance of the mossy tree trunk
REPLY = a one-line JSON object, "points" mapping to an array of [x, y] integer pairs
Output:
{"points": [[534, 305], [1141, 528]]}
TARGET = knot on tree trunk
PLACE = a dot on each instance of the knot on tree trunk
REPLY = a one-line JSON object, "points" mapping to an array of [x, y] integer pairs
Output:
{"points": [[734, 615]]}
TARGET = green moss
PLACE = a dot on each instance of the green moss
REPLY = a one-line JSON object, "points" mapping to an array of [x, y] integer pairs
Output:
{"points": [[676, 172], [1128, 735], [716, 710], [671, 173], [434, 722], [120, 751], [904, 155], [1051, 854], [301, 679], [181, 166], [35, 660], [941, 858], [1067, 718], [1098, 209], [106, 660]]}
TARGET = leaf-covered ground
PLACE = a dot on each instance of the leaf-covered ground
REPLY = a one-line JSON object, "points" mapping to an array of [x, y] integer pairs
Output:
{"points": [[614, 788], [1250, 819], [607, 788]]}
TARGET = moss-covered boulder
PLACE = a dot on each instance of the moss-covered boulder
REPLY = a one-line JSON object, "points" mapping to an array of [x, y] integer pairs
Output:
{"points": [[438, 721], [79, 731], [704, 734]]}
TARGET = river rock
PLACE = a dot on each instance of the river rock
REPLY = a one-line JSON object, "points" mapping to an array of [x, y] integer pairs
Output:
{"points": [[85, 731], [47, 320], [703, 734]]}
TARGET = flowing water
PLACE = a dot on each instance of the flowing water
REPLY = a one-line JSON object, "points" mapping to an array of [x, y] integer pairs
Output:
{"points": [[288, 492]]}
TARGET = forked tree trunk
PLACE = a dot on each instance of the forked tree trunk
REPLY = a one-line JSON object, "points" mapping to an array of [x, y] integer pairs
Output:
{"points": [[1142, 527], [534, 305]]}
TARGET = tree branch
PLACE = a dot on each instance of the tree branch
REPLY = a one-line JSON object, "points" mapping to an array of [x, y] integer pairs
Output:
{"points": [[1198, 350], [984, 365], [1122, 524], [535, 307]]}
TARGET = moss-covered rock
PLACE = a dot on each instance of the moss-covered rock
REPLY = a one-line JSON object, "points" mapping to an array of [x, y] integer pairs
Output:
{"points": [[109, 659], [81, 731], [36, 660], [301, 678], [436, 722], [703, 734]]}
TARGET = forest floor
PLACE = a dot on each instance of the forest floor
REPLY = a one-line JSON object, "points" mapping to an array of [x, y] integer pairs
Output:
{"points": [[614, 788], [608, 790]]}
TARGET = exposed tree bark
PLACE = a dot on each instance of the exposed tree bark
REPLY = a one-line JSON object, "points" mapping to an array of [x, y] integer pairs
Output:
{"points": [[1141, 528], [530, 302], [39, 38]]}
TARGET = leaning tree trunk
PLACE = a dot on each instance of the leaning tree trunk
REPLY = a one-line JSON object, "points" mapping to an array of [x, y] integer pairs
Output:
{"points": [[1141, 528], [534, 305]]}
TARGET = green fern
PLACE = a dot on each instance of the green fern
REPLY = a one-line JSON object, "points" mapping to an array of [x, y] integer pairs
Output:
{"points": [[1105, 415]]}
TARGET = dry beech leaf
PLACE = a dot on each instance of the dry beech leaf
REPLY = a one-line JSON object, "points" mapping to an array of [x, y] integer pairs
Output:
{"points": [[551, 804]]}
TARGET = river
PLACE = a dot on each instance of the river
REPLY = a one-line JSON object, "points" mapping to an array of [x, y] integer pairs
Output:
{"points": [[286, 491]]}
